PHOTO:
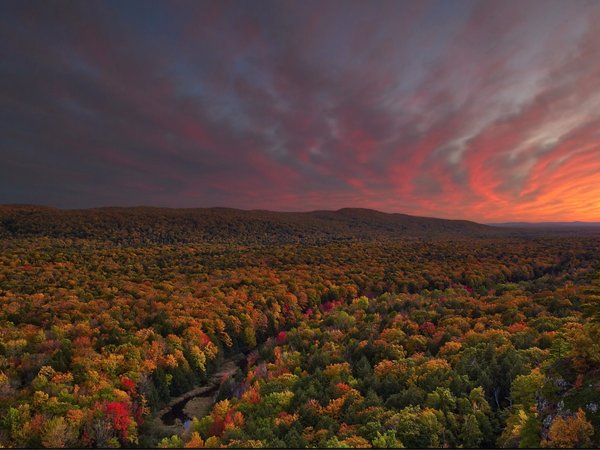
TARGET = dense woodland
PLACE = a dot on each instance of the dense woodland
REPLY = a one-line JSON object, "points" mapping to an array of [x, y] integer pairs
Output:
{"points": [[144, 225], [370, 338]]}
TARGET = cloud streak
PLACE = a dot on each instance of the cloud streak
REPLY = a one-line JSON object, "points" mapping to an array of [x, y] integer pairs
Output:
{"points": [[479, 110]]}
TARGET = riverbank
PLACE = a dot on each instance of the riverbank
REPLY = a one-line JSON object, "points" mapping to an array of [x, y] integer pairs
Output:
{"points": [[172, 418]]}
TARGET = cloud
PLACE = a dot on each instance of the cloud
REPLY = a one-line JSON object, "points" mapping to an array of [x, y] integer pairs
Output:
{"points": [[482, 110]]}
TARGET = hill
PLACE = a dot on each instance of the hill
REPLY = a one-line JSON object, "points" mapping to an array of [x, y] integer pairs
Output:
{"points": [[226, 225], [548, 225]]}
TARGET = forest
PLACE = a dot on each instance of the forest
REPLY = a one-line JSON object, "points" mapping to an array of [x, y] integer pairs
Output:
{"points": [[350, 330]]}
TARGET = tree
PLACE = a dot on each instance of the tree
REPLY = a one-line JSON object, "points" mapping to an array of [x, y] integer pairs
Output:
{"points": [[195, 441], [171, 442], [387, 440], [569, 432], [525, 388], [470, 433], [56, 433]]}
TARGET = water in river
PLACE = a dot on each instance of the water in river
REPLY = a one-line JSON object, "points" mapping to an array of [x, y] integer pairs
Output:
{"points": [[177, 410], [199, 404]]}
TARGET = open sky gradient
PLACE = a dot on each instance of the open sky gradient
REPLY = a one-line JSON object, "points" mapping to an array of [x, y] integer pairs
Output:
{"points": [[487, 111]]}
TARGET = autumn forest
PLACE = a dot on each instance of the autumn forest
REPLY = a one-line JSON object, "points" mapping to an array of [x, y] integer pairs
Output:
{"points": [[130, 328], [299, 224]]}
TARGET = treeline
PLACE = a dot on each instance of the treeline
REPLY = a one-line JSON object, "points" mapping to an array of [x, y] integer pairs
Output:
{"points": [[143, 225]]}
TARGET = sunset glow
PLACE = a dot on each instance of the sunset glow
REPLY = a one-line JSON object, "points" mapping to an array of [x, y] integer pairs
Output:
{"points": [[488, 111]]}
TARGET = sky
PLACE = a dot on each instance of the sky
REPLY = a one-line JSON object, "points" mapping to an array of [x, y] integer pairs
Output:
{"points": [[488, 111]]}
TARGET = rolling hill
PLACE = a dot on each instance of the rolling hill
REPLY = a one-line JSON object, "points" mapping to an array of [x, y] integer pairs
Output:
{"points": [[548, 225], [225, 225]]}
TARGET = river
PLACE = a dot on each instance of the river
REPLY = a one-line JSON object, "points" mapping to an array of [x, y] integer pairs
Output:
{"points": [[176, 416]]}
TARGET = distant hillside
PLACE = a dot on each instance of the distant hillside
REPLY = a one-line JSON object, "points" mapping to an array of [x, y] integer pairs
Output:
{"points": [[225, 225], [547, 224]]}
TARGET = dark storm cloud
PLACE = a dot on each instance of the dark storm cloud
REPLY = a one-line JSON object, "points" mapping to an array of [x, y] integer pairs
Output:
{"points": [[456, 109]]}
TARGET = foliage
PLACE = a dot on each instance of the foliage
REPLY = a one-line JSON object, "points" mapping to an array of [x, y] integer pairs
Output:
{"points": [[372, 342]]}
